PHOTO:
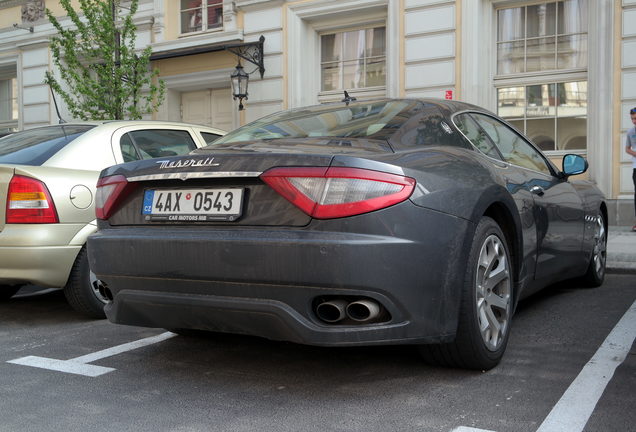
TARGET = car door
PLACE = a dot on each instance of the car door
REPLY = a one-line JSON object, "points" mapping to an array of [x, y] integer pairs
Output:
{"points": [[558, 209], [516, 184]]}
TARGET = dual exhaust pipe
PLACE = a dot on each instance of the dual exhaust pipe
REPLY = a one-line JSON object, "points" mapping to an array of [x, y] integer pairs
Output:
{"points": [[336, 310]]}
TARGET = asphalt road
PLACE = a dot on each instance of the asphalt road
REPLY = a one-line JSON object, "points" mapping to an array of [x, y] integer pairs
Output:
{"points": [[235, 383]]}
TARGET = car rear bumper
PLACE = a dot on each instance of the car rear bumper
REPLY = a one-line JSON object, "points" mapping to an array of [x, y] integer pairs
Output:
{"points": [[266, 282], [274, 320], [39, 254], [47, 266]]}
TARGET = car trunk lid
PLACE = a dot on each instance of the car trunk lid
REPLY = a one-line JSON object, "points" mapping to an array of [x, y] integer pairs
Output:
{"points": [[229, 168]]}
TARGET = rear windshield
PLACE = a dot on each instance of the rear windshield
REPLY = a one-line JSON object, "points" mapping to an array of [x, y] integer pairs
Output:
{"points": [[36, 146], [372, 120]]}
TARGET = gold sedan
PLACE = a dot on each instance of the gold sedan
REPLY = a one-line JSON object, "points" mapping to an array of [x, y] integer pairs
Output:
{"points": [[48, 177]]}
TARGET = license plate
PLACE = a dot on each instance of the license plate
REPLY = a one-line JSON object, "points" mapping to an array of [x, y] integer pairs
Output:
{"points": [[192, 205]]}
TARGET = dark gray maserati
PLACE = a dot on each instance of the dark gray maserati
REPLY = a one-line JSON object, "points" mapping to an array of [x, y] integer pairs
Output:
{"points": [[417, 222]]}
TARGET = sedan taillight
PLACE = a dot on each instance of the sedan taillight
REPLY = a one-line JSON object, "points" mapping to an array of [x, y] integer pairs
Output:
{"points": [[109, 191], [326, 193], [29, 202]]}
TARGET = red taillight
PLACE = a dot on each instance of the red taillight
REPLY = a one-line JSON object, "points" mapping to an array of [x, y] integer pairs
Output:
{"points": [[109, 190], [326, 193], [29, 202]]}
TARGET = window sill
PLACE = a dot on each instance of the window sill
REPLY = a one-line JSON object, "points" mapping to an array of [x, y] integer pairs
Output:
{"points": [[359, 93], [201, 32], [543, 75]]}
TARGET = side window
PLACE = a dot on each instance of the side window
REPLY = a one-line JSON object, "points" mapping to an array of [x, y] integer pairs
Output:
{"points": [[209, 137], [428, 128], [128, 150], [512, 146], [152, 143], [476, 135]]}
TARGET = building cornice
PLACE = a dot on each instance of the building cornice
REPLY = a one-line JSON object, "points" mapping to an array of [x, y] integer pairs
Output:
{"points": [[323, 7], [257, 4], [5, 4], [32, 43]]}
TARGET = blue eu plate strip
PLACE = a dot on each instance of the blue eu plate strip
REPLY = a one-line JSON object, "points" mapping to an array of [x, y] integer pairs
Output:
{"points": [[148, 197]]}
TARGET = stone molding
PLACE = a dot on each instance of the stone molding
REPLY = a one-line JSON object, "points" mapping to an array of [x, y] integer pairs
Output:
{"points": [[5, 4]]}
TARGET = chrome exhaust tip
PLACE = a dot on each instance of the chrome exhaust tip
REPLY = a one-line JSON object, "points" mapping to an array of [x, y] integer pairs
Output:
{"points": [[104, 291], [332, 311], [363, 310]]}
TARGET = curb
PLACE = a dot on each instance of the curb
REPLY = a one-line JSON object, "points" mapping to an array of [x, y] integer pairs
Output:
{"points": [[621, 250], [621, 268]]}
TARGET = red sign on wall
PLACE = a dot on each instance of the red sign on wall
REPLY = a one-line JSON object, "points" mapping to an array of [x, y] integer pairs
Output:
{"points": [[449, 94]]}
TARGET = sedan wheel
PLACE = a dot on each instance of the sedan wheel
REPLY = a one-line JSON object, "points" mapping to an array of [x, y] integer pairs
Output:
{"points": [[596, 268], [486, 305], [82, 289]]}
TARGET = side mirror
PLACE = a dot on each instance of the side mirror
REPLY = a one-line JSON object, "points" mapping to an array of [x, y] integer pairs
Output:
{"points": [[574, 164]]}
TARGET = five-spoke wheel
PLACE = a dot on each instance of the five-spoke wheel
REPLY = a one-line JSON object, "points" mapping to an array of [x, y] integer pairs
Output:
{"points": [[493, 291], [596, 268], [486, 304]]}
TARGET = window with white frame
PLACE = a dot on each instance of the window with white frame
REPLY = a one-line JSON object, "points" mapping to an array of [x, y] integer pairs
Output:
{"points": [[542, 72], [354, 59], [201, 15], [8, 104]]}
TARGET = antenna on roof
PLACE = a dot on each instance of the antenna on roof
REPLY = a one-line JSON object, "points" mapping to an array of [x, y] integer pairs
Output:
{"points": [[348, 98], [61, 120]]}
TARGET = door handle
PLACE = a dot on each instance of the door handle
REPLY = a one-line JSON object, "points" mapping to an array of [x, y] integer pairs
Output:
{"points": [[537, 190]]}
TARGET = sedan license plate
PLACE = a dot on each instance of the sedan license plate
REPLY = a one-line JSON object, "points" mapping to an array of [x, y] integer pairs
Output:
{"points": [[192, 205]]}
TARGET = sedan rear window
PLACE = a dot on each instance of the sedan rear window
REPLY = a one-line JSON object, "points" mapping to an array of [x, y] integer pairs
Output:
{"points": [[152, 143], [209, 137], [36, 146]]}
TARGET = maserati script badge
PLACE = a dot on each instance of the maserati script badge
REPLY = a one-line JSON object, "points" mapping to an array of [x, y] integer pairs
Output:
{"points": [[187, 163]]}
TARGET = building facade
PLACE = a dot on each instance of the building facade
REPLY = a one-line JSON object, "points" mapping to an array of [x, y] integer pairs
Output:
{"points": [[562, 71]]}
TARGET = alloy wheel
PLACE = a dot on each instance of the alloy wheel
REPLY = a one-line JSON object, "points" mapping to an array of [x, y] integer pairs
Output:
{"points": [[493, 292], [600, 246]]}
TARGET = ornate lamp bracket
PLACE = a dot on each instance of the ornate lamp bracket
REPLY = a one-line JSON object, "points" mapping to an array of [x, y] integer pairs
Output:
{"points": [[251, 52]]}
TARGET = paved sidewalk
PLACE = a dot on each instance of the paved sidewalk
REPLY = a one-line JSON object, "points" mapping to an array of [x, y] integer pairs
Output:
{"points": [[621, 250]]}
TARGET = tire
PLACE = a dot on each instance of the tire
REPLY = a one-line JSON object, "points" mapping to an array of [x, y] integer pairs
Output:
{"points": [[8, 291], [486, 307], [596, 268], [82, 289]]}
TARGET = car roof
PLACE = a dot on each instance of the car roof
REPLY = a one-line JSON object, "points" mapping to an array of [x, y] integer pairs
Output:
{"points": [[116, 124], [448, 106]]}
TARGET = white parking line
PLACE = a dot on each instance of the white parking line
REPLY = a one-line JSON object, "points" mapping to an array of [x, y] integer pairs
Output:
{"points": [[79, 366], [68, 366], [123, 348], [577, 404]]}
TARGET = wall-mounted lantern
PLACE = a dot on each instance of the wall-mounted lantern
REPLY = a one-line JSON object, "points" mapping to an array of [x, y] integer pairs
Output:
{"points": [[240, 80], [251, 52]]}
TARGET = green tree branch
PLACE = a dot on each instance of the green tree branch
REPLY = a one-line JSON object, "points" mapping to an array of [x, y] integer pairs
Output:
{"points": [[105, 76]]}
